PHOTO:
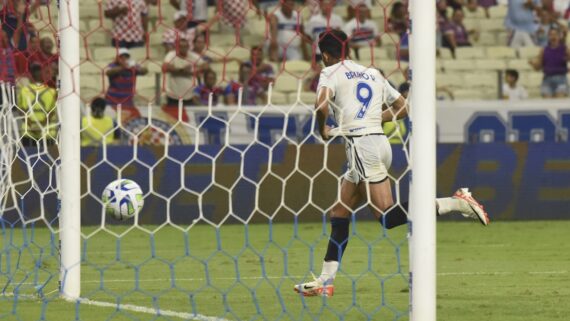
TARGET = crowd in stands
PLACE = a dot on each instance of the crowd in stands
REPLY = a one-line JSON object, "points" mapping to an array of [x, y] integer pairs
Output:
{"points": [[189, 73]]}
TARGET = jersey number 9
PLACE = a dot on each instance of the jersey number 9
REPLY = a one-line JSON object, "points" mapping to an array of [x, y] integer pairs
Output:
{"points": [[364, 96]]}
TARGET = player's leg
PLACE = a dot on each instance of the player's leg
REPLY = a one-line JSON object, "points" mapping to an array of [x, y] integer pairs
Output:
{"points": [[376, 188], [340, 221]]}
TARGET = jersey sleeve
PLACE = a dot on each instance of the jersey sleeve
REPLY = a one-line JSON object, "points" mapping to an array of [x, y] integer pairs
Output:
{"points": [[327, 80], [390, 94]]}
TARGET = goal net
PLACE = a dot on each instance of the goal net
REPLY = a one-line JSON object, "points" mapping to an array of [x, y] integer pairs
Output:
{"points": [[237, 182]]}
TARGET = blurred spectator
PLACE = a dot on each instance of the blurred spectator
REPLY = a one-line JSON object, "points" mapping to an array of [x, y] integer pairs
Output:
{"points": [[485, 4], [7, 61], [547, 22], [404, 52], [198, 54], [398, 20], [97, 128], [38, 101], [122, 75], [442, 21], [251, 91], [179, 71], [455, 34], [233, 13], [312, 82], [196, 11], [521, 22], [286, 30], [130, 22], [323, 21], [46, 58], [14, 20], [553, 60], [456, 4], [263, 72], [511, 89], [203, 91], [361, 30], [180, 31], [353, 7], [560, 7]]}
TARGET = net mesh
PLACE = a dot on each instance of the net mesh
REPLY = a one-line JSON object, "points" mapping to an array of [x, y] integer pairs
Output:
{"points": [[237, 185]]}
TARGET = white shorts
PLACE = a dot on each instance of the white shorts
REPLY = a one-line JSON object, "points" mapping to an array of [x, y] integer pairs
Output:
{"points": [[369, 158]]}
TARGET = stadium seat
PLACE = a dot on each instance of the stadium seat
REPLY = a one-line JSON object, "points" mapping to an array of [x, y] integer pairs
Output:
{"points": [[95, 39], [90, 68], [501, 53], [454, 65], [503, 38], [490, 64], [489, 79], [153, 66], [471, 23], [498, 11], [142, 54], [449, 79], [99, 24], [306, 97], [223, 40], [477, 13], [341, 10], [528, 52], [469, 94], [146, 85], [492, 25], [487, 39], [531, 79], [445, 53], [286, 83], [299, 67], [240, 53], [89, 10], [366, 54], [105, 53], [94, 83], [469, 52], [519, 64], [388, 66], [279, 98]]}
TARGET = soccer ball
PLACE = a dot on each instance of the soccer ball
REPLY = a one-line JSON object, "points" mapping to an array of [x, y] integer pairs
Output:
{"points": [[122, 199]]}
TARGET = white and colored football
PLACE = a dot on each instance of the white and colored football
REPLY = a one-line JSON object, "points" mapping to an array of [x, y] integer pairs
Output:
{"points": [[123, 199]]}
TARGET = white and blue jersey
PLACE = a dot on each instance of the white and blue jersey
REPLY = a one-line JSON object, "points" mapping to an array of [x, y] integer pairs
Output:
{"points": [[358, 93]]}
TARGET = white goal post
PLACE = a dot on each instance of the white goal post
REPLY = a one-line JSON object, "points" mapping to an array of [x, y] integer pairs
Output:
{"points": [[423, 162], [69, 112]]}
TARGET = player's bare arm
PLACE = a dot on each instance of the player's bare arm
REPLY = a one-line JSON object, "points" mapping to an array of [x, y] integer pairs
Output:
{"points": [[322, 107], [398, 110]]}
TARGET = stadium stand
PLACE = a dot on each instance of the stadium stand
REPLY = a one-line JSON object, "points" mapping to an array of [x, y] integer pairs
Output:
{"points": [[484, 61]]}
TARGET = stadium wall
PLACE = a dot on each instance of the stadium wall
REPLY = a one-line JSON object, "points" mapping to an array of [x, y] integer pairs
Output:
{"points": [[516, 181]]}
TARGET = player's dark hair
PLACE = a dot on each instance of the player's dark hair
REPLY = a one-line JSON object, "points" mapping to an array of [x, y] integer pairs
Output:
{"points": [[513, 73], [333, 42], [98, 103]]}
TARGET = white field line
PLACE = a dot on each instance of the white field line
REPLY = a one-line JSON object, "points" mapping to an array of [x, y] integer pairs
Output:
{"points": [[299, 277], [153, 311], [95, 252], [132, 308]]}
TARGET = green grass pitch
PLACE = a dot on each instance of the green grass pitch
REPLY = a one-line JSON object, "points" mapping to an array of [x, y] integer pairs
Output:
{"points": [[509, 271]]}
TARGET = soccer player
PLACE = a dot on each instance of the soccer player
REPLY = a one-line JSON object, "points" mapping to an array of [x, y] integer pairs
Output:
{"points": [[355, 95]]}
